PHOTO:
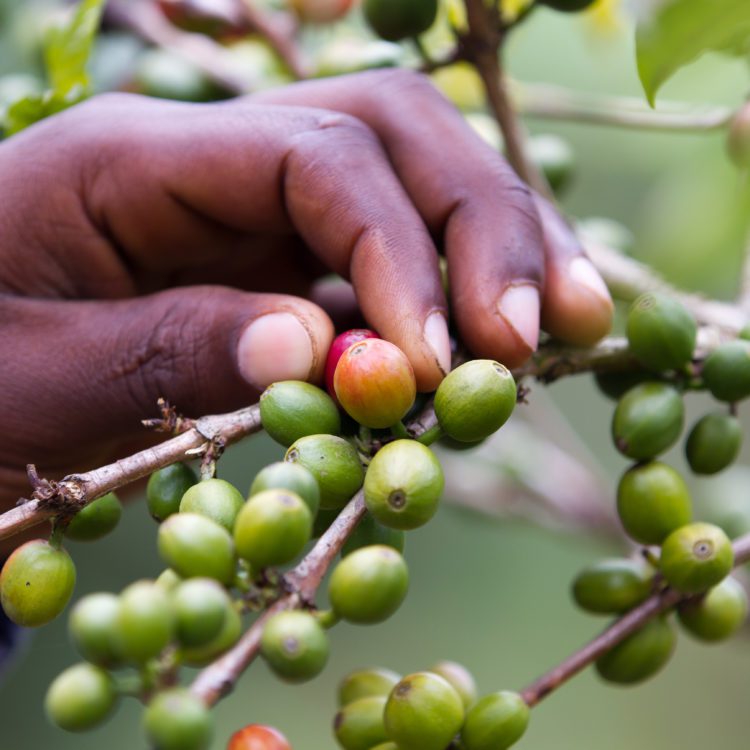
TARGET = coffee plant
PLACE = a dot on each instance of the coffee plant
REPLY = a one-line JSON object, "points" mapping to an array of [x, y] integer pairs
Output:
{"points": [[244, 575]]}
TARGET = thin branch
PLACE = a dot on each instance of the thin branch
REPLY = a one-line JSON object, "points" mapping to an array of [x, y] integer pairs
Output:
{"points": [[77, 490], [743, 299], [220, 677], [655, 605], [559, 103]]}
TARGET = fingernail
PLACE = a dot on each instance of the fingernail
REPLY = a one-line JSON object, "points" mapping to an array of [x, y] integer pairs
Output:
{"points": [[519, 307], [436, 336], [275, 347], [583, 272]]}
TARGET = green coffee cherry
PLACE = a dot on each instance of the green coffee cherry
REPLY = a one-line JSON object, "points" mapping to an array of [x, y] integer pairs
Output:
{"points": [[496, 722], [612, 586], [294, 645], [145, 621], [165, 489], [459, 678], [196, 547], [475, 400], [177, 720], [726, 371], [359, 724], [365, 683], [719, 614], [200, 656], [639, 656], [394, 20], [369, 532], [615, 385], [648, 420], [661, 332], [696, 557], [714, 443], [403, 485], [335, 465], [554, 156], [36, 583], [80, 698], [272, 528], [369, 585], [652, 501], [292, 410], [215, 499], [423, 712], [95, 520], [200, 606], [93, 628], [286, 476]]}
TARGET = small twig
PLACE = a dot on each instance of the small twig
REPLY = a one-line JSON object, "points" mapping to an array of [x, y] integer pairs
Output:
{"points": [[743, 299], [220, 677], [558, 103], [655, 605]]}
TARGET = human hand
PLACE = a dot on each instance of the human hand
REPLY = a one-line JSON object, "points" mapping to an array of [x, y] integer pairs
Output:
{"points": [[114, 210]]}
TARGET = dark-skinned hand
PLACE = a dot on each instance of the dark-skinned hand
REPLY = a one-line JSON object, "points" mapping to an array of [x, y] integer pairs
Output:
{"points": [[152, 248]]}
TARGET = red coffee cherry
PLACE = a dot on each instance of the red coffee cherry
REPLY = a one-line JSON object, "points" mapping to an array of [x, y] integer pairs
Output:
{"points": [[374, 382], [258, 737], [340, 344]]}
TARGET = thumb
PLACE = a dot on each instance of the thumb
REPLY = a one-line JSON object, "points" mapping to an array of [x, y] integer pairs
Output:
{"points": [[92, 370]]}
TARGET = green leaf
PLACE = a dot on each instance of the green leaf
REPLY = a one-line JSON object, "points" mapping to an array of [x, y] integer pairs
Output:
{"points": [[682, 30], [31, 109], [68, 49]]}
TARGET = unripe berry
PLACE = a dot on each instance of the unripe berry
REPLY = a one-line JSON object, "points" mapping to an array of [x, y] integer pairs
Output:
{"points": [[612, 586], [291, 410], [496, 722], [258, 737], [92, 626], [215, 499], [374, 383], [713, 443], [696, 557], [340, 344], [145, 621], [335, 465], [177, 720], [648, 420], [661, 332], [459, 678], [365, 683], [286, 476], [200, 606], [369, 585], [272, 528], [719, 614], [95, 520], [294, 645], [403, 485], [200, 656], [423, 712], [652, 501], [726, 371], [640, 656], [166, 488], [196, 547], [80, 698], [475, 400], [394, 20], [36, 583], [359, 724]]}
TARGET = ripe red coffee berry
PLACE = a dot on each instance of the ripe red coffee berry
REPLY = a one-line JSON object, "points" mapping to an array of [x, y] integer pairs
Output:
{"points": [[258, 737], [340, 344], [374, 382]]}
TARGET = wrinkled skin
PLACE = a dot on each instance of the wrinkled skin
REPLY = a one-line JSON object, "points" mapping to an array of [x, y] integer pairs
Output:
{"points": [[111, 210]]}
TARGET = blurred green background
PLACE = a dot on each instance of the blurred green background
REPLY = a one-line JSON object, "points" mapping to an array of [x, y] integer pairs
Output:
{"points": [[491, 594]]}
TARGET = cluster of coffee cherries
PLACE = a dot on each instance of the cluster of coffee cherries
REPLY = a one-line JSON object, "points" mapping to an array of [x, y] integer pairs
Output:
{"points": [[653, 500], [434, 709], [226, 553]]}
